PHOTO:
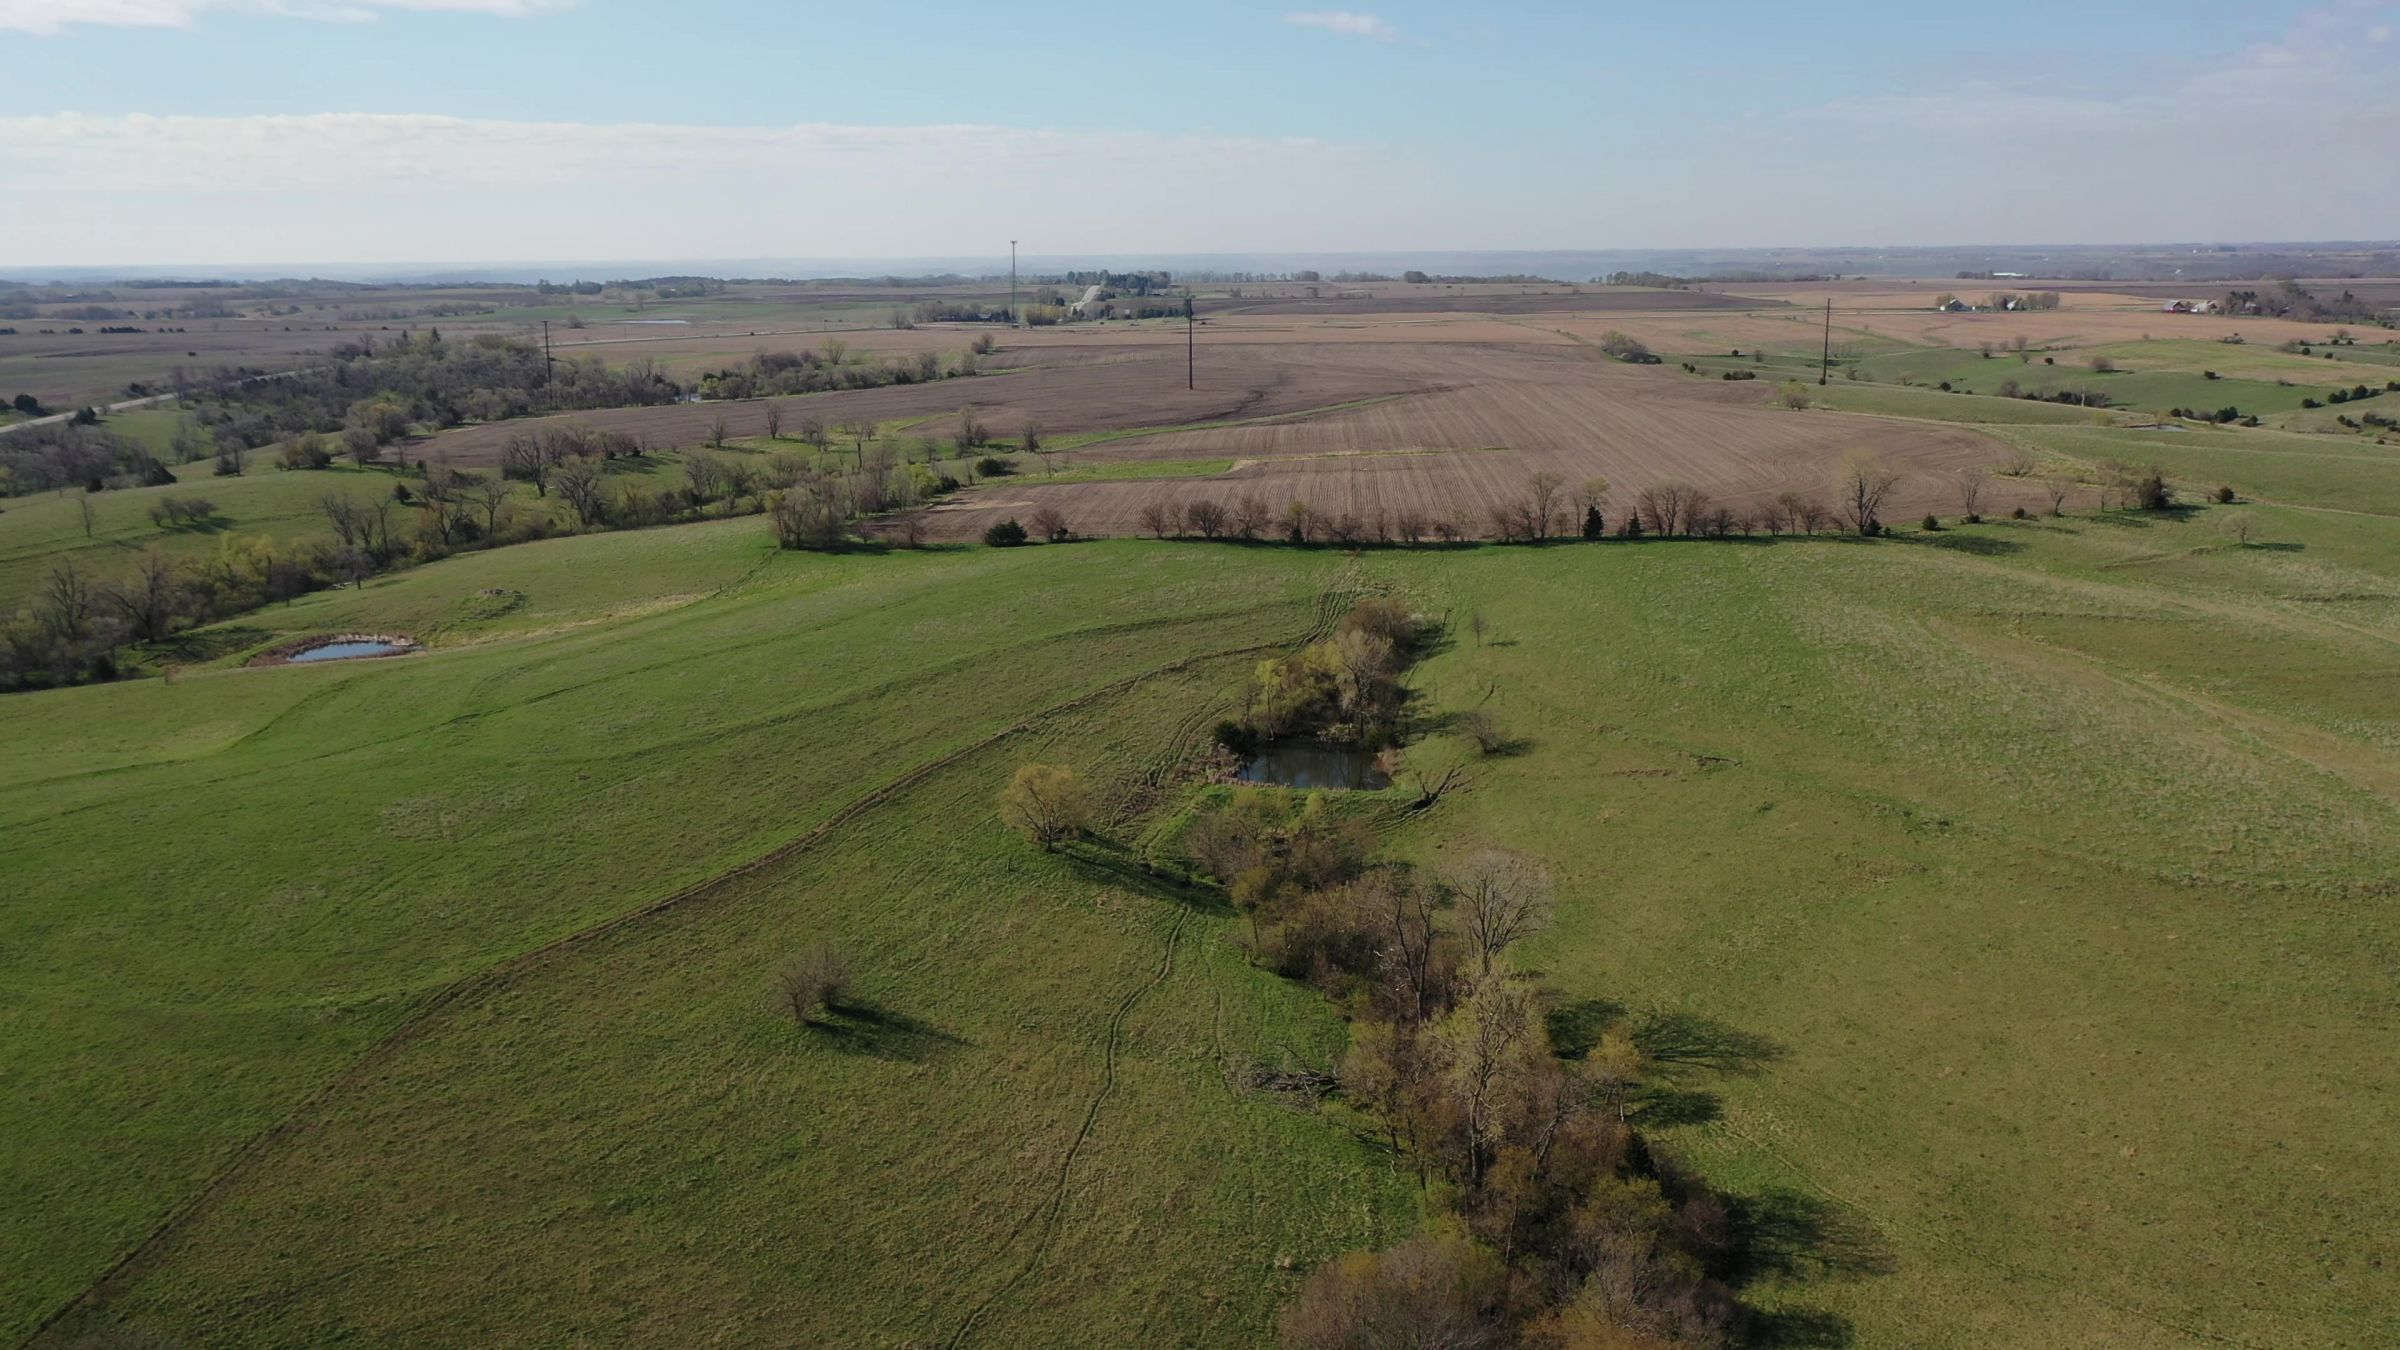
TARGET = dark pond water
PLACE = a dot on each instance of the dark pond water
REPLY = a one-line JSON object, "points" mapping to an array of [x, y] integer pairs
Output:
{"points": [[1314, 764], [343, 651]]}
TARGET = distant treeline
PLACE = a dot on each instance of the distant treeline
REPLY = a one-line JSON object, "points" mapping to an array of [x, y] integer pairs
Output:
{"points": [[1416, 278], [2288, 299]]}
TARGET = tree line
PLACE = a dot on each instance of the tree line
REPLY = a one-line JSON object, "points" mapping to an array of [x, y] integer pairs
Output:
{"points": [[1555, 1219]]}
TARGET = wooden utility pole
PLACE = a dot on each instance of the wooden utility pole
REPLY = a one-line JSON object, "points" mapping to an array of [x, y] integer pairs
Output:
{"points": [[1012, 283], [1191, 378], [1825, 361], [549, 363]]}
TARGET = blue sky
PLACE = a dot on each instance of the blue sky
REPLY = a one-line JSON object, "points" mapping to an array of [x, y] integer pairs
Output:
{"points": [[361, 130]]}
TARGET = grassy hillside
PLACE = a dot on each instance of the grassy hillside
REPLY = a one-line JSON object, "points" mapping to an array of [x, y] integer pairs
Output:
{"points": [[595, 748], [2055, 855]]}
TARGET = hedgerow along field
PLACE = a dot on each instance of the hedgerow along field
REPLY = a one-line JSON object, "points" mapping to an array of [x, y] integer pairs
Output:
{"points": [[2054, 855]]}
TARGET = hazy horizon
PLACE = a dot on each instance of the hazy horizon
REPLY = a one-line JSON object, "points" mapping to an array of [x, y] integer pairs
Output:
{"points": [[453, 132]]}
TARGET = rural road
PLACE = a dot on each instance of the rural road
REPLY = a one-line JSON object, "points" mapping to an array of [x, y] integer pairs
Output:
{"points": [[127, 405]]}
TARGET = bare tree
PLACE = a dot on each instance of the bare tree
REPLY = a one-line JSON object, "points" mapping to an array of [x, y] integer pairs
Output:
{"points": [[67, 603], [1667, 505], [815, 983], [702, 473], [1541, 504], [580, 486], [717, 430], [774, 421], [91, 517], [1969, 483], [1207, 517], [150, 598], [491, 494], [522, 456], [1865, 482], [1249, 515], [1051, 523], [1158, 518], [1502, 899]]}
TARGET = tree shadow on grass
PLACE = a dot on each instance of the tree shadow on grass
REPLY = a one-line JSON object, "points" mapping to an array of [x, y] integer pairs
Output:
{"points": [[1658, 1106], [1799, 1329], [1981, 545], [1109, 863], [1678, 1040], [209, 644], [1576, 1025], [861, 1027], [1788, 1235]]}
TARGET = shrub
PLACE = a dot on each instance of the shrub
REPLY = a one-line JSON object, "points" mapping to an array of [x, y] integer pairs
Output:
{"points": [[2223, 494], [2151, 492], [1047, 803], [1006, 534], [1433, 1290], [816, 982], [1932, 521], [992, 466], [2019, 514]]}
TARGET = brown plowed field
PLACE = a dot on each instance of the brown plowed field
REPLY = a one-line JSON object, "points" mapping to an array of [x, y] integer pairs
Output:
{"points": [[1075, 389], [1435, 300], [1486, 420]]}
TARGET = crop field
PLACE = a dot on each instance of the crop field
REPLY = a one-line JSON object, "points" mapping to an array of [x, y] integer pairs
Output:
{"points": [[1505, 415], [1066, 390]]}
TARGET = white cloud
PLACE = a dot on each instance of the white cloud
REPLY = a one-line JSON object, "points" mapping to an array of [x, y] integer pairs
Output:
{"points": [[1349, 23], [55, 16], [336, 187]]}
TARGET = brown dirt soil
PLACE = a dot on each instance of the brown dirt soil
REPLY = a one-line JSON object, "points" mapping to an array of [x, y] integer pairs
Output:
{"points": [[1076, 390], [1435, 299], [1484, 421]]}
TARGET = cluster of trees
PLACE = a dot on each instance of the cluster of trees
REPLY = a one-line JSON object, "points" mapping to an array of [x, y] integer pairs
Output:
{"points": [[2227, 414], [1548, 508], [372, 396], [2352, 394], [817, 371], [962, 311], [1344, 688], [1131, 283], [75, 627], [75, 454], [2291, 300], [816, 509], [1655, 280], [1048, 523], [1557, 1218], [1627, 348]]}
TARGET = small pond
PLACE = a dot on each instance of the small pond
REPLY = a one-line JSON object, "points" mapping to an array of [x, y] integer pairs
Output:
{"points": [[343, 651], [1314, 764]]}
